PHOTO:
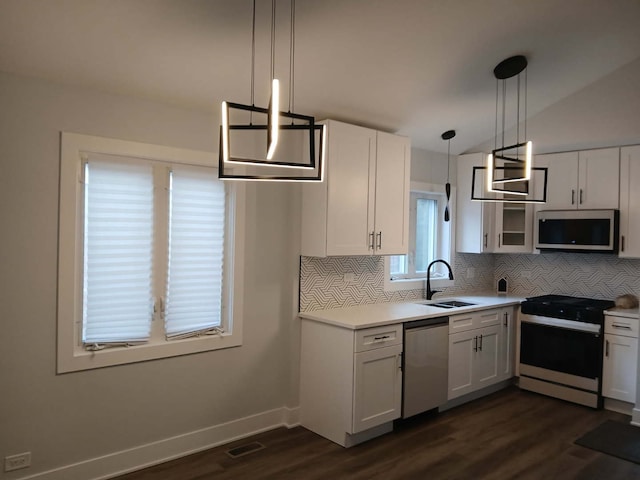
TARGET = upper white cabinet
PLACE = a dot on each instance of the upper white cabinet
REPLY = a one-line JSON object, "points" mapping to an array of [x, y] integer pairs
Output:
{"points": [[588, 179], [513, 227], [474, 220], [482, 227], [362, 207], [630, 202]]}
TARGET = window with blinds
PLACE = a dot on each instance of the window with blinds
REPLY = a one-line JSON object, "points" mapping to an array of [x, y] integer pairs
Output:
{"points": [[150, 253], [196, 252], [130, 272], [429, 239]]}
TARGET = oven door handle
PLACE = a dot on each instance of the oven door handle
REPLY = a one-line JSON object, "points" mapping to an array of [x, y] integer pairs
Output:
{"points": [[561, 323]]}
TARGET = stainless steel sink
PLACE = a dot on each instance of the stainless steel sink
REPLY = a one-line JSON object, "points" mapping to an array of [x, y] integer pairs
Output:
{"points": [[450, 304]]}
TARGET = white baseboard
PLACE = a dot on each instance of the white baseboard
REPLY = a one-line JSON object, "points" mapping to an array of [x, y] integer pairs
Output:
{"points": [[125, 461]]}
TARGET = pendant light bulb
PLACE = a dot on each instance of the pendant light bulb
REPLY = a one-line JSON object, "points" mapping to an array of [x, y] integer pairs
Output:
{"points": [[273, 120]]}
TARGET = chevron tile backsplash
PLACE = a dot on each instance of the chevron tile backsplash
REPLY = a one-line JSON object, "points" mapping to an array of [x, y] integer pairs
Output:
{"points": [[578, 274], [322, 282]]}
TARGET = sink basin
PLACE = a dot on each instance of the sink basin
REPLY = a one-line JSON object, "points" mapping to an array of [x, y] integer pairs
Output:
{"points": [[450, 304]]}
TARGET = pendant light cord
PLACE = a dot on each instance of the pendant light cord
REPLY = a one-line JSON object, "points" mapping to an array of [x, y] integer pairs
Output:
{"points": [[253, 61], [292, 47], [273, 38], [448, 162]]}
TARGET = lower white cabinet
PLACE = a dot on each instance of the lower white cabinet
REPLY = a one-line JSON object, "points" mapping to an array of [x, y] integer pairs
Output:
{"points": [[350, 380], [480, 350], [620, 358]]}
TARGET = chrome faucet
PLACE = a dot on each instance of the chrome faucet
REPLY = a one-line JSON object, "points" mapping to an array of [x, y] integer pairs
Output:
{"points": [[428, 292]]}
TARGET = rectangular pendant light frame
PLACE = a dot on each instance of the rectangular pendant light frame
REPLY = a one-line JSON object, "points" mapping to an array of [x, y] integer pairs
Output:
{"points": [[226, 160], [480, 172], [499, 155]]}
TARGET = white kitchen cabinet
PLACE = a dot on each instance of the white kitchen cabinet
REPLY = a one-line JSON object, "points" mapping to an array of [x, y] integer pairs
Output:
{"points": [[475, 350], [362, 207], [620, 358], [588, 179], [513, 227], [630, 202], [474, 219], [350, 380], [488, 227]]}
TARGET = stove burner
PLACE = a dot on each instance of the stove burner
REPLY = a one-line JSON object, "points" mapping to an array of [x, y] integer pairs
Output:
{"points": [[580, 309]]}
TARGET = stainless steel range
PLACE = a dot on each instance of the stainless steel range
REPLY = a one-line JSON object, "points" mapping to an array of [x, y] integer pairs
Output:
{"points": [[561, 341]]}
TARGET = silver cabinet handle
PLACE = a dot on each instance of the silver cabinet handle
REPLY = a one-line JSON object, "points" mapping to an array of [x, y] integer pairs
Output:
{"points": [[480, 343], [475, 343], [499, 235], [371, 239], [379, 239], [381, 337], [580, 196], [606, 348], [573, 196], [617, 325], [622, 243], [399, 361], [486, 235], [506, 319]]}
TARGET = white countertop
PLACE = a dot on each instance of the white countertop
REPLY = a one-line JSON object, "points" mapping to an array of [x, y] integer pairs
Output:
{"points": [[623, 312], [365, 316]]}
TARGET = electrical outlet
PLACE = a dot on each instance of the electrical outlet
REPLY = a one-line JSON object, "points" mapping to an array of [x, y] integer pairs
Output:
{"points": [[348, 277], [17, 462]]}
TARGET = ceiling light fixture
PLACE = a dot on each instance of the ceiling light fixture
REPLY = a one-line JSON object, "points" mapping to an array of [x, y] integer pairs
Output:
{"points": [[448, 135], [288, 152], [509, 169]]}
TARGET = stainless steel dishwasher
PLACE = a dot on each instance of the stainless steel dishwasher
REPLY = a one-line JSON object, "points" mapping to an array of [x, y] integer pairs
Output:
{"points": [[425, 365]]}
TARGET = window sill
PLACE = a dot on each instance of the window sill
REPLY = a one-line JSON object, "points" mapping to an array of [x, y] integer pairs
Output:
{"points": [[415, 284], [82, 359]]}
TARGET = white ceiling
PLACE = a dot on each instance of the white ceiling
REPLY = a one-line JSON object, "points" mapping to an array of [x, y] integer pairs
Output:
{"points": [[417, 67]]}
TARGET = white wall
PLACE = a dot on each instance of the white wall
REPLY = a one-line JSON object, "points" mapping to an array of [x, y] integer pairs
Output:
{"points": [[74, 417], [605, 113], [431, 167]]}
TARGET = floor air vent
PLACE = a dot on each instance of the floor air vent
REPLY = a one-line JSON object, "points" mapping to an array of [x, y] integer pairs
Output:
{"points": [[245, 449]]}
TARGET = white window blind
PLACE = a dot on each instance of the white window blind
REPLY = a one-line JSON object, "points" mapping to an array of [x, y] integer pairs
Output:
{"points": [[196, 250], [426, 233], [118, 251]]}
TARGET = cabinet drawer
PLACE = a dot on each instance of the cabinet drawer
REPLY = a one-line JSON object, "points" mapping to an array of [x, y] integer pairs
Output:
{"points": [[472, 320], [376, 337], [626, 327]]}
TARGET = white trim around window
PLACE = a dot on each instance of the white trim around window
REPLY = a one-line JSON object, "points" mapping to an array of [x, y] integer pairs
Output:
{"points": [[71, 355], [419, 283]]}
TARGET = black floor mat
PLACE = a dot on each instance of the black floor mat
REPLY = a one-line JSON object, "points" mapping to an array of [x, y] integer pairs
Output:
{"points": [[621, 440]]}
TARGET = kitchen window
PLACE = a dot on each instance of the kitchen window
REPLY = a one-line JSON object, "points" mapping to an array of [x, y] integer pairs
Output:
{"points": [[148, 248], [430, 238]]}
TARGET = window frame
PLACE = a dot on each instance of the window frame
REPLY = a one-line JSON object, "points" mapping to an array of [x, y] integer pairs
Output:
{"points": [[415, 283], [71, 355]]}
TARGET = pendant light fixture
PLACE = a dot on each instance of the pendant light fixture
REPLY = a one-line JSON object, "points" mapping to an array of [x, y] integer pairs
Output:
{"points": [[509, 170], [255, 151], [448, 135]]}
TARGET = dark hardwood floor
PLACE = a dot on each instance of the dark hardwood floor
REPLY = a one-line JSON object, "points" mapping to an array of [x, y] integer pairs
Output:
{"points": [[510, 434]]}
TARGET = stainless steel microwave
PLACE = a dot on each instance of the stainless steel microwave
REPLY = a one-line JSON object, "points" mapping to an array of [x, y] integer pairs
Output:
{"points": [[578, 230]]}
